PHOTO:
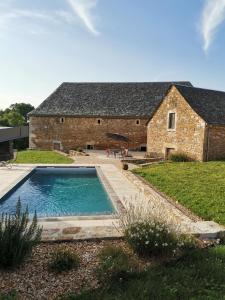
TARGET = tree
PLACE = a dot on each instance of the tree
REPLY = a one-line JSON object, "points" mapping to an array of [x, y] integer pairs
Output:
{"points": [[22, 108], [15, 115], [12, 118]]}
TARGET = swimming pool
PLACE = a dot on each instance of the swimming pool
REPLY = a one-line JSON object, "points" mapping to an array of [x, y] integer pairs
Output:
{"points": [[60, 191]]}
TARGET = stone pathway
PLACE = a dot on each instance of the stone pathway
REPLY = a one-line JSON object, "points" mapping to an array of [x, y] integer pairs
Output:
{"points": [[100, 157]]}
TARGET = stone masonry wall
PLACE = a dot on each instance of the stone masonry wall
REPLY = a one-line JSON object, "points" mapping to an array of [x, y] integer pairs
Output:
{"points": [[216, 142], [79, 132], [188, 136]]}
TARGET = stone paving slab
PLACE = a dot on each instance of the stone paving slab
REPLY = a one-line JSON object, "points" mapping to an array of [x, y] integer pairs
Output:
{"points": [[80, 230], [9, 177]]}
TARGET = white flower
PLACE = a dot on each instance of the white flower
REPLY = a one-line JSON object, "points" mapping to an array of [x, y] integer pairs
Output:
{"points": [[147, 242]]}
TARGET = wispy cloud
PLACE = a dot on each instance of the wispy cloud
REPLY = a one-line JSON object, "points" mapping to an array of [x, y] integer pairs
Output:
{"points": [[83, 9], [8, 16], [77, 10], [212, 16]]}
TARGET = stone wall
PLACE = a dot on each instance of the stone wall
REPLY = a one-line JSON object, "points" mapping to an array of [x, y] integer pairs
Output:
{"points": [[216, 142], [188, 136], [48, 132]]}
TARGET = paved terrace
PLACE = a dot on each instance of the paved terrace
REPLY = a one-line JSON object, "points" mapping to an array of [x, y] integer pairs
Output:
{"points": [[123, 186]]}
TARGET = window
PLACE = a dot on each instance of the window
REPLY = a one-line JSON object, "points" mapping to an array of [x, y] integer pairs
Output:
{"points": [[143, 148], [62, 120], [171, 121], [90, 147], [99, 121], [137, 122]]}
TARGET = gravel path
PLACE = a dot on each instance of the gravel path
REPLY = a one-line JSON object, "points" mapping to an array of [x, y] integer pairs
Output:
{"points": [[33, 280]]}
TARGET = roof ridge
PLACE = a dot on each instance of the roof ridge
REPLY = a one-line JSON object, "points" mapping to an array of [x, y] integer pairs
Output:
{"points": [[199, 88], [126, 82]]}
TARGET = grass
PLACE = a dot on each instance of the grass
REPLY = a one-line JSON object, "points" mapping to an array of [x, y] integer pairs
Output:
{"points": [[198, 275], [198, 186], [42, 157]]}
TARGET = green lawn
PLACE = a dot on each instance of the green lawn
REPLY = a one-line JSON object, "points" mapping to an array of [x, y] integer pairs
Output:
{"points": [[42, 157], [198, 275], [198, 186]]}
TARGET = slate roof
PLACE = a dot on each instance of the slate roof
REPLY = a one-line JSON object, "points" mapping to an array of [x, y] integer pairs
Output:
{"points": [[208, 104], [138, 99]]}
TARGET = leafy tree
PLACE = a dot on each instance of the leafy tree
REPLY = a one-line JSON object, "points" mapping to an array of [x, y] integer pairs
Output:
{"points": [[12, 118], [15, 115], [22, 108]]}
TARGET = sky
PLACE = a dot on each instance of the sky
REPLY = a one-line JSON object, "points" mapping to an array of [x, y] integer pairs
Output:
{"points": [[46, 42]]}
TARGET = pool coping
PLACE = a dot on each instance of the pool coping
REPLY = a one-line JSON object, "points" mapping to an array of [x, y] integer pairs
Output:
{"points": [[117, 204], [11, 186], [76, 227]]}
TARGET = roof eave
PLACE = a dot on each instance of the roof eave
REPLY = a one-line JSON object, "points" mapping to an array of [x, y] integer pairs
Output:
{"points": [[91, 116]]}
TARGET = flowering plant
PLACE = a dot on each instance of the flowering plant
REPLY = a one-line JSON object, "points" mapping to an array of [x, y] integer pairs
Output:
{"points": [[151, 237], [149, 234]]}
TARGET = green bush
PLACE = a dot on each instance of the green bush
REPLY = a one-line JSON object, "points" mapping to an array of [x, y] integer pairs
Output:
{"points": [[179, 157], [21, 144], [115, 265], [151, 234], [64, 259], [149, 238], [12, 295], [17, 237]]}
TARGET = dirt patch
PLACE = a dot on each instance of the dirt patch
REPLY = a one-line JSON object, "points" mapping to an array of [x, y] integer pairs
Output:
{"points": [[33, 280]]}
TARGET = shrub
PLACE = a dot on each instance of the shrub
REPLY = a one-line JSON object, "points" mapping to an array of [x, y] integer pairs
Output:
{"points": [[179, 157], [115, 264], [17, 238], [149, 235], [150, 238], [64, 259], [12, 295]]}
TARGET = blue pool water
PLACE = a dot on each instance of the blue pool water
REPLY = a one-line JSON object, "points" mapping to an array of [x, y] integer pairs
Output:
{"points": [[60, 192]]}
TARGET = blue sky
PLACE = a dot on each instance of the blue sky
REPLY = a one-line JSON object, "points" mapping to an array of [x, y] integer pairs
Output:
{"points": [[46, 42]]}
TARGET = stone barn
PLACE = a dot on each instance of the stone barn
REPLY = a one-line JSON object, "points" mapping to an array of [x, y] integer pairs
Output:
{"points": [[188, 120], [82, 114]]}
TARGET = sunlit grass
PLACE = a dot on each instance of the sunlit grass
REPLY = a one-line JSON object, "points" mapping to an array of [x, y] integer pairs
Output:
{"points": [[44, 157], [198, 186]]}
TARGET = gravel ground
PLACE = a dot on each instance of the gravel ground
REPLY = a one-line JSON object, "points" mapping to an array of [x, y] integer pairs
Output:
{"points": [[33, 280]]}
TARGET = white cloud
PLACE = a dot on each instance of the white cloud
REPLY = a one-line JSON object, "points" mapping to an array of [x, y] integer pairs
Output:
{"points": [[8, 16], [79, 10], [213, 15], [82, 8]]}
